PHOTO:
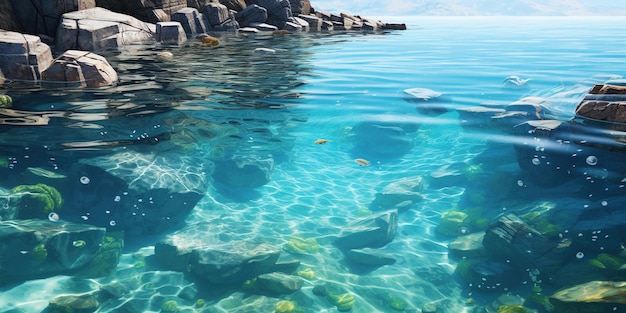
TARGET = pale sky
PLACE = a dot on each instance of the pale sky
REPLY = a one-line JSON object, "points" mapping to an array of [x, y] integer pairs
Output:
{"points": [[474, 7]]}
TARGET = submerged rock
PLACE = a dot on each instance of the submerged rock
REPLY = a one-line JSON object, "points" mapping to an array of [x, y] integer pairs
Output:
{"points": [[401, 194], [277, 283], [592, 297], [244, 171], [85, 303], [372, 231], [370, 257], [40, 248]]}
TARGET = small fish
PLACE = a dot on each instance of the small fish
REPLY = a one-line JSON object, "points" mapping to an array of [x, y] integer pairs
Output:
{"points": [[321, 141], [362, 162], [45, 173]]}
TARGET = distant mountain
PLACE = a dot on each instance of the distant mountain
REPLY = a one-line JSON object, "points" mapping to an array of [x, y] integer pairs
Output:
{"points": [[474, 7]]}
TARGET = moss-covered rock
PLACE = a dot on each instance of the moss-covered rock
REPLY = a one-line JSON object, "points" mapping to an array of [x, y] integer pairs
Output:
{"points": [[452, 223], [107, 258], [301, 245], [37, 200], [73, 304]]}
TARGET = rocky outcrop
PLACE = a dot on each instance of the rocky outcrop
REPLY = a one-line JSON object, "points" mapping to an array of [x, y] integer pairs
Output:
{"points": [[151, 11], [42, 16], [251, 14], [98, 28], [23, 57], [192, 20], [170, 33], [220, 18], [80, 69], [39, 248]]}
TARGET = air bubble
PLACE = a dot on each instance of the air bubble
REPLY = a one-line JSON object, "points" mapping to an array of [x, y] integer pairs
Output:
{"points": [[520, 183], [112, 223], [85, 180], [53, 217], [536, 161], [592, 160], [580, 255], [117, 198], [604, 203]]}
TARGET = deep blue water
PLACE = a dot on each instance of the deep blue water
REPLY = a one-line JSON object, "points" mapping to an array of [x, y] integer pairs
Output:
{"points": [[190, 115]]}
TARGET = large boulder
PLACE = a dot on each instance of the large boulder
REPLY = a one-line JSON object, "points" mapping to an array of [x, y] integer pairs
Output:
{"points": [[213, 260], [220, 18], [8, 20], [98, 28], [42, 16], [80, 69], [251, 14], [23, 57], [372, 231], [192, 20], [244, 171], [151, 11], [278, 11], [39, 248], [139, 193], [401, 194], [300, 7], [170, 33]]}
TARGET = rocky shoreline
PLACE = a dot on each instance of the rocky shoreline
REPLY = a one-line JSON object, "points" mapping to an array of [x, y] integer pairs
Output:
{"points": [[42, 42]]}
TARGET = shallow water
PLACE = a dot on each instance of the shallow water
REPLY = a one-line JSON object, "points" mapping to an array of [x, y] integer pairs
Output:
{"points": [[210, 103]]}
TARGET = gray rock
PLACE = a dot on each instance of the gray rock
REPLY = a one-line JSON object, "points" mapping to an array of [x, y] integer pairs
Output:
{"points": [[23, 57], [85, 303], [173, 255], [372, 231], [233, 263], [216, 14], [510, 239], [370, 257], [278, 11], [98, 28], [468, 246], [135, 192], [592, 297], [80, 69], [170, 32], [251, 14], [401, 194], [328, 26], [152, 11], [42, 16], [192, 20], [315, 23], [264, 27], [297, 24], [244, 171], [39, 248], [277, 283], [235, 5], [300, 7]]}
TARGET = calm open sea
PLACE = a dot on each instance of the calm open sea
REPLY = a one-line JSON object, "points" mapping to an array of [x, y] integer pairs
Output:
{"points": [[348, 89]]}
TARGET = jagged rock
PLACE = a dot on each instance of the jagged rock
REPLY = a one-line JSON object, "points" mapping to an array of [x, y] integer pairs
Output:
{"points": [[604, 102], [510, 239], [468, 246], [315, 23], [251, 14], [372, 231], [300, 7], [278, 11], [297, 24], [98, 28], [591, 297], [370, 257], [39, 248], [135, 192], [277, 283], [42, 16], [152, 11], [23, 57], [192, 20], [244, 171], [401, 194], [235, 5], [216, 14], [327, 26], [170, 32], [80, 69], [85, 303]]}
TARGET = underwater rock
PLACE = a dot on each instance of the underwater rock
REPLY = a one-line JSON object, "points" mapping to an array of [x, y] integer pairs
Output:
{"points": [[373, 231], [40, 248], [536, 107], [244, 171], [192, 20], [400, 194], [276, 283], [84, 303], [370, 257], [383, 139], [478, 116], [429, 102], [509, 238], [487, 275], [139, 193], [80, 69], [592, 297], [468, 246], [452, 223], [23, 57], [98, 28], [107, 258]]}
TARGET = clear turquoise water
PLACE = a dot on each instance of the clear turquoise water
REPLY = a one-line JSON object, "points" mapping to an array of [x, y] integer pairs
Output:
{"points": [[318, 86]]}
